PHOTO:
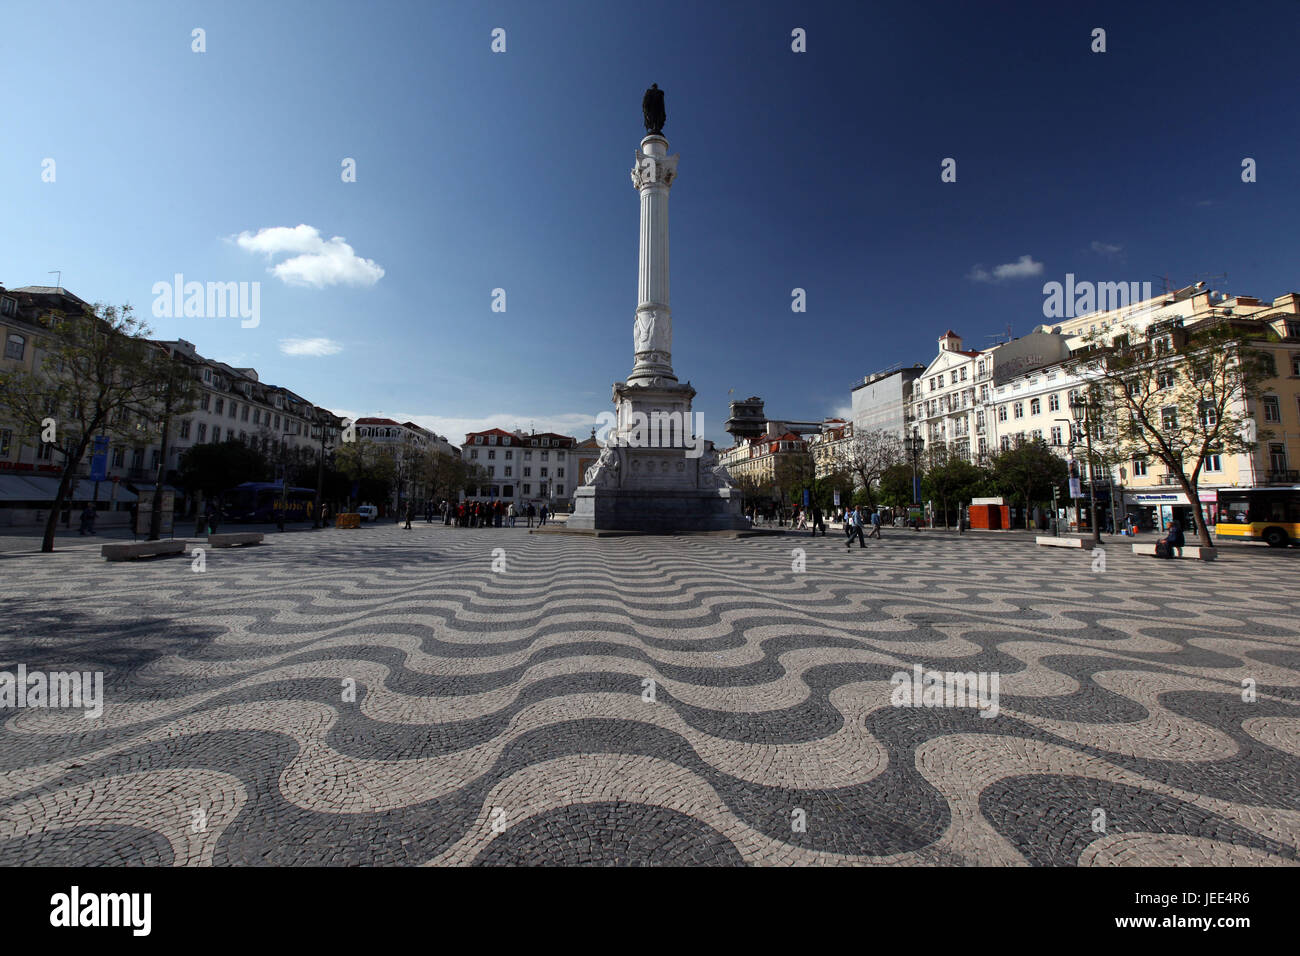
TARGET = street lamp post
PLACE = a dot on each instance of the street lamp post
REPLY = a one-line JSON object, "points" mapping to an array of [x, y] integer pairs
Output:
{"points": [[325, 434], [914, 444], [1084, 413]]}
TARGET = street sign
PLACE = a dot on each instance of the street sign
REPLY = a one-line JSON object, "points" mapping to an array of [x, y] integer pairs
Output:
{"points": [[99, 458], [837, 499], [1076, 488], [805, 497]]}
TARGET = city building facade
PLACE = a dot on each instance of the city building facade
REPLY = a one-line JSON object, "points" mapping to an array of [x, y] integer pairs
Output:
{"points": [[523, 468], [232, 404]]}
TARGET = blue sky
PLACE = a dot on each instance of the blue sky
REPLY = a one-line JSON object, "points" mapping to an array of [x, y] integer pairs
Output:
{"points": [[478, 170]]}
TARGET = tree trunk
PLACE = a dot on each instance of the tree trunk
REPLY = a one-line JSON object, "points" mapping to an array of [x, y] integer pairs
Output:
{"points": [[1202, 532], [52, 522]]}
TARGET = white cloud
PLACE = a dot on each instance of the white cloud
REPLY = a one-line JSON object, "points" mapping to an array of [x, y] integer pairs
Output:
{"points": [[310, 347], [1106, 248], [1022, 268], [314, 261]]}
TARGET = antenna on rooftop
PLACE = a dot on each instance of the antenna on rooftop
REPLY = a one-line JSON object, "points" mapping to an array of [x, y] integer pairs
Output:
{"points": [[59, 280]]}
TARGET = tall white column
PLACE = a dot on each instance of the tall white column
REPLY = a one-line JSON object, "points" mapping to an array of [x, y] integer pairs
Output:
{"points": [[652, 332]]}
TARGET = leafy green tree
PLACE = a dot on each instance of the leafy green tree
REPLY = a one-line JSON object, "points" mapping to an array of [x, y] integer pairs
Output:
{"points": [[896, 485], [176, 393], [1177, 394], [1027, 472], [97, 377], [368, 465], [214, 467], [951, 479]]}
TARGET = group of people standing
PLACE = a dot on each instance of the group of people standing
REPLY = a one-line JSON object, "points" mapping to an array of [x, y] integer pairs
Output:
{"points": [[485, 514]]}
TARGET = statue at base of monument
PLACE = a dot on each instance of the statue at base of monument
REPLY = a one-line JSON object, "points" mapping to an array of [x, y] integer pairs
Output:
{"points": [[604, 473], [714, 474]]}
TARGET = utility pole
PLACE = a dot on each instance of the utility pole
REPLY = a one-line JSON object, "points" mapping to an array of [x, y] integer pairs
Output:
{"points": [[169, 397]]}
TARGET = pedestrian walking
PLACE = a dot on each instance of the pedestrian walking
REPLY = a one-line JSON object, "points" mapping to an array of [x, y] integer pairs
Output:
{"points": [[855, 528], [817, 521], [87, 520], [410, 508], [510, 513], [542, 517], [876, 522]]}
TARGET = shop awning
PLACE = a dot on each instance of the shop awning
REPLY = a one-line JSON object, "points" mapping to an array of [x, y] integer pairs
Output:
{"points": [[40, 491]]}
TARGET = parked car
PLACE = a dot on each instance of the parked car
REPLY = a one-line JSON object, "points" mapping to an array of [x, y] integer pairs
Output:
{"points": [[368, 512]]}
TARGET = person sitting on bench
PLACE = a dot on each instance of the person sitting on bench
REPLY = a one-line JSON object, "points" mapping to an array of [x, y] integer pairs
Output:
{"points": [[1166, 546]]}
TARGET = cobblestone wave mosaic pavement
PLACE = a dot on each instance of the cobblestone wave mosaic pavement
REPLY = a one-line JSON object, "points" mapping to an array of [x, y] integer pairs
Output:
{"points": [[506, 716]]}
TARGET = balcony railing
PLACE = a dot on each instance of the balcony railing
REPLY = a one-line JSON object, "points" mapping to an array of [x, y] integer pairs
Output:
{"points": [[1284, 477]]}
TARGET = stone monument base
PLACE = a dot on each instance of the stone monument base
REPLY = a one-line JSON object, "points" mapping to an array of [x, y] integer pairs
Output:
{"points": [[656, 511]]}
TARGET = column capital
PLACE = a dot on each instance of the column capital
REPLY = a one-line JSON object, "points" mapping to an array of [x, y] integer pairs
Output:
{"points": [[653, 168]]}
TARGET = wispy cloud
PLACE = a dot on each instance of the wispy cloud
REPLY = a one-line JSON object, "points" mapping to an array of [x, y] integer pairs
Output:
{"points": [[1022, 268], [310, 347], [1106, 248], [315, 261]]}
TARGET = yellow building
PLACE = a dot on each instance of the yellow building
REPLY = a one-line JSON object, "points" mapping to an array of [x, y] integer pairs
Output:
{"points": [[1149, 492]]}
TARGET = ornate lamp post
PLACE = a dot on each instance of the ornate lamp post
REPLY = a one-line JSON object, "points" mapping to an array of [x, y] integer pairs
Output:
{"points": [[325, 421], [1084, 413], [914, 444]]}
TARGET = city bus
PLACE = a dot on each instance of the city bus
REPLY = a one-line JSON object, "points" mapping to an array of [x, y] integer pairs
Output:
{"points": [[257, 501], [1260, 514]]}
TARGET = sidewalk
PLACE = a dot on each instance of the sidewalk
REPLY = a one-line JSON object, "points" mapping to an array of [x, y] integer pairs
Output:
{"points": [[28, 540]]}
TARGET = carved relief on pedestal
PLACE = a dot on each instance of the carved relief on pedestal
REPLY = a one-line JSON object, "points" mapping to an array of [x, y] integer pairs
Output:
{"points": [[652, 331]]}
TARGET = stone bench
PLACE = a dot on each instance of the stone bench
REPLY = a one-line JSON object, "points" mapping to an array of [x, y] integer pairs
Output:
{"points": [[1054, 542], [1187, 551], [234, 539], [129, 550]]}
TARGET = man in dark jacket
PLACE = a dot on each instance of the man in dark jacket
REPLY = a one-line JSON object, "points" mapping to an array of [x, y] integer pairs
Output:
{"points": [[1173, 540], [817, 521]]}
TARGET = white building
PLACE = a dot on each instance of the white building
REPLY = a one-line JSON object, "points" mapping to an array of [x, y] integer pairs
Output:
{"points": [[947, 399], [526, 468]]}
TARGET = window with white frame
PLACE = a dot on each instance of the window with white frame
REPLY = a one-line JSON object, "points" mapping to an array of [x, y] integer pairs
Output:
{"points": [[1272, 409]]}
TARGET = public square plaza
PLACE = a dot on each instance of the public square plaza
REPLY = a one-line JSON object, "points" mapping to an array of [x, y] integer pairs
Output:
{"points": [[653, 700]]}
